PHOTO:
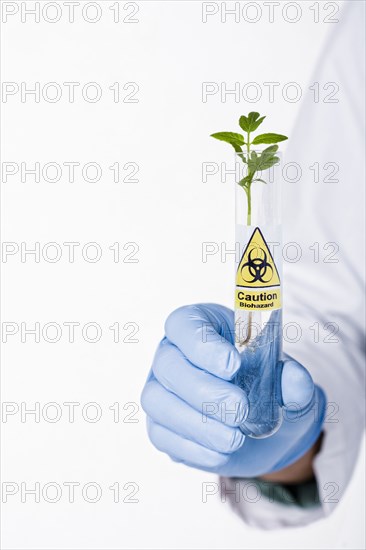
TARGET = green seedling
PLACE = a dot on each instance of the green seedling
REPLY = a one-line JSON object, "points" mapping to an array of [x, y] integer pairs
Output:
{"points": [[255, 162]]}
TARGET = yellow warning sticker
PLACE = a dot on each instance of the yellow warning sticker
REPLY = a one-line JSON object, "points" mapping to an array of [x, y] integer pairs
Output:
{"points": [[257, 268], [256, 274]]}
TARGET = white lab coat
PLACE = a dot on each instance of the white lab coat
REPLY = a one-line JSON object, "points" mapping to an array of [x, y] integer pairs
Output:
{"points": [[324, 292]]}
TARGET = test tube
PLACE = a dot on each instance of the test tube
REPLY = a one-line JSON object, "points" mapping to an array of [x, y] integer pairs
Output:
{"points": [[258, 302]]}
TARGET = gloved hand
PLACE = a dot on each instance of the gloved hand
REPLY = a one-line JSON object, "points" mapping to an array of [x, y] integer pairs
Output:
{"points": [[189, 370]]}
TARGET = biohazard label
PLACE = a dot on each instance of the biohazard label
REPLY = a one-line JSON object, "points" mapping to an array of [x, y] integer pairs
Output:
{"points": [[257, 279]]}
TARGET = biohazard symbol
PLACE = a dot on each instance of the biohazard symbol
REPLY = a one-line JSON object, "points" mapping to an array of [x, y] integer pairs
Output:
{"points": [[257, 268]]}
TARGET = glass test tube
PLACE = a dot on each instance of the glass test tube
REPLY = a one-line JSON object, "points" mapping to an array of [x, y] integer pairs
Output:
{"points": [[258, 302]]}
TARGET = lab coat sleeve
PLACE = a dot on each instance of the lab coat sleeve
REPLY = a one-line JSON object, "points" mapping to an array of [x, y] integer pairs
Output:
{"points": [[323, 276]]}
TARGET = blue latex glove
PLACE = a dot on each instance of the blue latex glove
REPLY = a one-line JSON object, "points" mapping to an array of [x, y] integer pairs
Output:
{"points": [[190, 371]]}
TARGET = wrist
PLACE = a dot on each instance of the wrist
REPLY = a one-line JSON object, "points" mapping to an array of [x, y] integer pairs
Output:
{"points": [[298, 472]]}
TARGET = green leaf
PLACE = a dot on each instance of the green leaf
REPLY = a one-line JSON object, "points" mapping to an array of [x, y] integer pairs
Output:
{"points": [[253, 165], [269, 150], [237, 149], [243, 123], [230, 137], [243, 182], [254, 125], [258, 179], [251, 122], [253, 162], [268, 138], [267, 162], [263, 162], [236, 140], [253, 115]]}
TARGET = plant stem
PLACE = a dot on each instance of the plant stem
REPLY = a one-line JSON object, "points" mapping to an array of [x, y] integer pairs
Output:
{"points": [[249, 213], [249, 199]]}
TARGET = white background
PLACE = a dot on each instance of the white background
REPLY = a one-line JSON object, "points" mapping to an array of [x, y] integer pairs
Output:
{"points": [[169, 213]]}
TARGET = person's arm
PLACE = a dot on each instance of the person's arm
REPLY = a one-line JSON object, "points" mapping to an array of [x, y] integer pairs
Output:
{"points": [[300, 471]]}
